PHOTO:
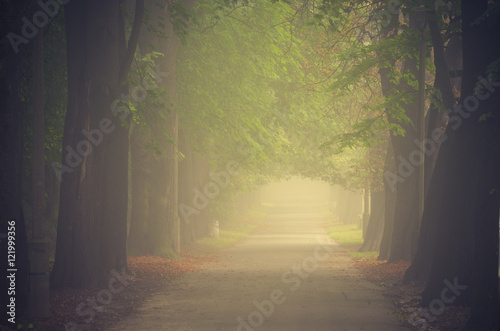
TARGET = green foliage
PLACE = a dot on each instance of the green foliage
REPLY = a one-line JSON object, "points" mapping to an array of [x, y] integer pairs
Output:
{"points": [[230, 77], [255, 86]]}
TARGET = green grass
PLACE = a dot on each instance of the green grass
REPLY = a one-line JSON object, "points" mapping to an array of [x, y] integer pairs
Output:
{"points": [[232, 232], [350, 237], [226, 238], [363, 255], [347, 235]]}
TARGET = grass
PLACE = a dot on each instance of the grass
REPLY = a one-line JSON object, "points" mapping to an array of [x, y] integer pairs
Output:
{"points": [[233, 231], [347, 235], [350, 237]]}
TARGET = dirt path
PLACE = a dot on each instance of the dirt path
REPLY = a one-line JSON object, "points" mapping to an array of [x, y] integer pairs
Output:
{"points": [[286, 276]]}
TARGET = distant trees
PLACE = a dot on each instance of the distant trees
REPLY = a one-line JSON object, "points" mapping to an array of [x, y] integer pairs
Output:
{"points": [[155, 227]]}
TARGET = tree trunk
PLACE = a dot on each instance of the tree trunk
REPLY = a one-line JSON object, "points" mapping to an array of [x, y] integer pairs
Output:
{"points": [[420, 267], [447, 217], [480, 49], [160, 216], [389, 204], [11, 151], [366, 209], [443, 61], [92, 224], [349, 207], [466, 240], [52, 191], [408, 159], [388, 31], [202, 171], [372, 234], [186, 180], [163, 221], [375, 228], [138, 243], [77, 261], [38, 169]]}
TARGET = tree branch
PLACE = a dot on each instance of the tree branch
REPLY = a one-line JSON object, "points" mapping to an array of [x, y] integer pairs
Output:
{"points": [[133, 40]]}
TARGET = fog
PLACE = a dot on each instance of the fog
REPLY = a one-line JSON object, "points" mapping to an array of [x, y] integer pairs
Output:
{"points": [[296, 190]]}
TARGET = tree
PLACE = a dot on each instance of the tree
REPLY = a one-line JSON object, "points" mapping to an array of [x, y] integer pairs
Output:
{"points": [[138, 243], [159, 234], [406, 219], [420, 267], [465, 244], [38, 169], [373, 233], [12, 221], [92, 225]]}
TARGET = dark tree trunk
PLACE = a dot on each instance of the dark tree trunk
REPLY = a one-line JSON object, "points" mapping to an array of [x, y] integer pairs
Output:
{"points": [[138, 243], [372, 234], [389, 204], [163, 227], [408, 159], [92, 224], [389, 31], [466, 182], [38, 169], [160, 220], [447, 218], [52, 191], [77, 261], [115, 202], [375, 228], [485, 306], [186, 186], [480, 49], [443, 61], [162, 208], [420, 267], [11, 156]]}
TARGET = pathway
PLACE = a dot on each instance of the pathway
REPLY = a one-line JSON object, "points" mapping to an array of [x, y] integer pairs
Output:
{"points": [[286, 276]]}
